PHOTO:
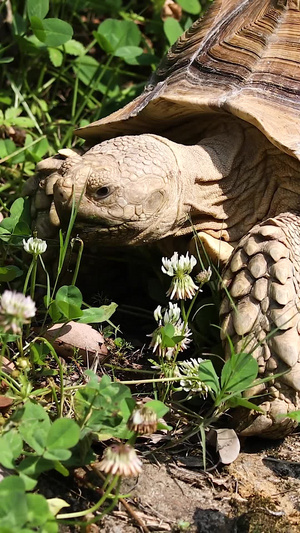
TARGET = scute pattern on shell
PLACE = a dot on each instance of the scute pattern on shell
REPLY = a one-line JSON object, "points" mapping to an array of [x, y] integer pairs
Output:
{"points": [[263, 280], [251, 42], [243, 58]]}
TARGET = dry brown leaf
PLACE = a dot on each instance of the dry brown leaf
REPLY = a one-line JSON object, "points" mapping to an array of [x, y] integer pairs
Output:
{"points": [[5, 402], [73, 337], [228, 445]]}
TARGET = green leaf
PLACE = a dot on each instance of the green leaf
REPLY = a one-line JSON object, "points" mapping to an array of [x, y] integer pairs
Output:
{"points": [[69, 294], [236, 401], [143, 59], [172, 30], [74, 48], [168, 330], [64, 433], [113, 34], [51, 31], [10, 272], [158, 407], [38, 150], [94, 315], [20, 209], [33, 466], [13, 507], [167, 342], [7, 59], [56, 504], [29, 482], [11, 446], [37, 8], [190, 6], [11, 484], [295, 415], [11, 113], [99, 407], [61, 468], [208, 375], [239, 372], [69, 310], [54, 312], [37, 509], [7, 147], [85, 67], [56, 57], [59, 454], [128, 51], [34, 426]]}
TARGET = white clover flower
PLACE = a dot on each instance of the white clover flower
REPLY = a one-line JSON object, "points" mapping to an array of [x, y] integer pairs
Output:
{"points": [[16, 309], [171, 315], [157, 313], [121, 460], [190, 368], [184, 264], [34, 246], [143, 420], [182, 285], [204, 276]]}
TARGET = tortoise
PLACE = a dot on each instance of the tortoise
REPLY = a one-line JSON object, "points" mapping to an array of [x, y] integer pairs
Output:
{"points": [[214, 138]]}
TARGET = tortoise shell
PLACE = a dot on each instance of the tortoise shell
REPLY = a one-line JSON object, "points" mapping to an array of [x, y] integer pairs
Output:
{"points": [[242, 59]]}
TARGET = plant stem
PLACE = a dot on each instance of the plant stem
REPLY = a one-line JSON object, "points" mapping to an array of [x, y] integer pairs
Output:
{"points": [[97, 505]]}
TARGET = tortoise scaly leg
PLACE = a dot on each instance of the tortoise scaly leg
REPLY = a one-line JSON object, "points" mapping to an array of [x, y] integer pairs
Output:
{"points": [[263, 281]]}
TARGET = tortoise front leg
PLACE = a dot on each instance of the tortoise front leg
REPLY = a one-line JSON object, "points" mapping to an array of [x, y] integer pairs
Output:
{"points": [[263, 282]]}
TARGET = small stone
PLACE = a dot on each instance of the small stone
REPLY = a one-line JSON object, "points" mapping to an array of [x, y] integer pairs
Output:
{"points": [[258, 266]]}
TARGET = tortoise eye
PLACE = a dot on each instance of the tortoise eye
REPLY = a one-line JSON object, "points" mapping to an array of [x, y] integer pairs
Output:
{"points": [[103, 192]]}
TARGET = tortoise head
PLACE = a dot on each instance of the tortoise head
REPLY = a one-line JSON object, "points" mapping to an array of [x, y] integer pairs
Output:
{"points": [[126, 191]]}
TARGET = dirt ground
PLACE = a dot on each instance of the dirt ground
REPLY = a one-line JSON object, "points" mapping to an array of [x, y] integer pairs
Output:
{"points": [[258, 493]]}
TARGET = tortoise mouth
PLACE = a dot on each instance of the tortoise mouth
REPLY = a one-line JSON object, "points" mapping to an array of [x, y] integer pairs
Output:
{"points": [[106, 233]]}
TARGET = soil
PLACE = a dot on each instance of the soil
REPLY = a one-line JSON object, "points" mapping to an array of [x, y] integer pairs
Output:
{"points": [[258, 493]]}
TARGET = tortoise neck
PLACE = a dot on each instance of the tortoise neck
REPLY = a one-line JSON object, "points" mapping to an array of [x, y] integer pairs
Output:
{"points": [[226, 188]]}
